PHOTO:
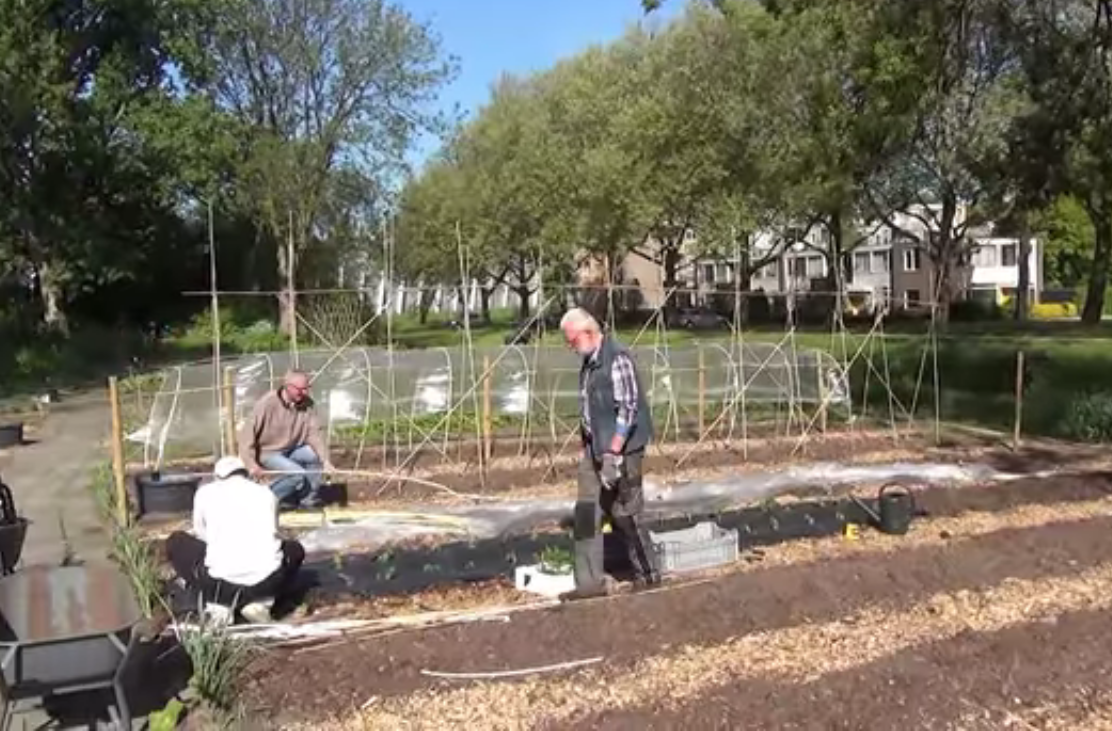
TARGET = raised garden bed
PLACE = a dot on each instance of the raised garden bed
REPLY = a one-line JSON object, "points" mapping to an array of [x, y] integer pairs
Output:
{"points": [[165, 494], [11, 434], [977, 542]]}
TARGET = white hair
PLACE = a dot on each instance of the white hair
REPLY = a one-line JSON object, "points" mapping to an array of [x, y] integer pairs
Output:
{"points": [[578, 318]]}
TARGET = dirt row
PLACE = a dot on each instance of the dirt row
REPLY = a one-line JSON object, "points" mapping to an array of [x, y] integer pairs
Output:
{"points": [[628, 628], [1050, 673]]}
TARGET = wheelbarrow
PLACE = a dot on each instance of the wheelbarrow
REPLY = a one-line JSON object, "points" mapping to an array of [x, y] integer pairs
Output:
{"points": [[13, 531], [65, 629]]}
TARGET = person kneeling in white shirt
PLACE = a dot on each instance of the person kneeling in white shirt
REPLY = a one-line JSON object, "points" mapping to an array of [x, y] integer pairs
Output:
{"points": [[235, 556]]}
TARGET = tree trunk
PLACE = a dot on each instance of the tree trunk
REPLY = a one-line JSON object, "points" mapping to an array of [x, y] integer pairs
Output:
{"points": [[485, 293], [836, 276], [287, 318], [672, 258], [523, 292], [464, 302], [1098, 274], [945, 256], [53, 300], [428, 295], [1022, 292]]}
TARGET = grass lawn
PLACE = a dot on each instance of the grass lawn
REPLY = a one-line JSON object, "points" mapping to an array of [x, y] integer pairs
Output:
{"points": [[1068, 374]]}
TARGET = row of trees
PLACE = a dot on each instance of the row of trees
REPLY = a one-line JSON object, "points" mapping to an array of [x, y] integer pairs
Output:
{"points": [[786, 114], [124, 123]]}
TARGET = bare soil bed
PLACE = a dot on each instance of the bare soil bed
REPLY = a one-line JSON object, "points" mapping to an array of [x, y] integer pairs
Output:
{"points": [[995, 606]]}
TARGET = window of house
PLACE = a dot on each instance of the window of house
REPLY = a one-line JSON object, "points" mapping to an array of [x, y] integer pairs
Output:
{"points": [[912, 260], [725, 273], [814, 266], [708, 273], [1008, 255], [799, 267], [880, 262], [861, 262], [911, 297], [688, 235], [985, 256]]}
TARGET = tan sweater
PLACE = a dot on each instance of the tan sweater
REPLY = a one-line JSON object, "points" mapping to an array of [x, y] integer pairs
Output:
{"points": [[276, 426]]}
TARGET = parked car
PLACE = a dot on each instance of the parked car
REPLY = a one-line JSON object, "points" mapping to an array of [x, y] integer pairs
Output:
{"points": [[522, 332], [697, 318], [457, 322]]}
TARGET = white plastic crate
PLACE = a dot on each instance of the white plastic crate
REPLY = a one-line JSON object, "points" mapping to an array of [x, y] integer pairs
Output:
{"points": [[702, 546], [532, 579]]}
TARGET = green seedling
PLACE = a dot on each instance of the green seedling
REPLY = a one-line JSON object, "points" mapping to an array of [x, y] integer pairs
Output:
{"points": [[556, 560]]}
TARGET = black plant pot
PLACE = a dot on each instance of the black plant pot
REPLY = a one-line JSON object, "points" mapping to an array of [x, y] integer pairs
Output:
{"points": [[11, 434], [159, 494], [12, 536]]}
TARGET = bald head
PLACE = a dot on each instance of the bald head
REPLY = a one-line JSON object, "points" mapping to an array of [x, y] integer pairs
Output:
{"points": [[581, 331], [296, 386]]}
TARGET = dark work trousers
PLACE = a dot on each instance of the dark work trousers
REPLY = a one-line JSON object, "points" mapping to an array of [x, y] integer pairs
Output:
{"points": [[186, 554], [623, 504]]}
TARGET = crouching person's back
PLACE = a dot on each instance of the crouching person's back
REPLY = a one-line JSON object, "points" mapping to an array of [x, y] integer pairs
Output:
{"points": [[234, 556]]}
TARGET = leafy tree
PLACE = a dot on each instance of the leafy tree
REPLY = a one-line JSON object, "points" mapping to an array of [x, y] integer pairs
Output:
{"points": [[326, 88], [1065, 48], [87, 197], [847, 93], [1067, 234], [969, 100]]}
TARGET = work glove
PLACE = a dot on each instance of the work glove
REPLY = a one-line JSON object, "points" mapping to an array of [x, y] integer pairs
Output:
{"points": [[611, 471]]}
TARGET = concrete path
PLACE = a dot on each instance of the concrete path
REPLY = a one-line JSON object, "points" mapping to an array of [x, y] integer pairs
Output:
{"points": [[51, 481]]}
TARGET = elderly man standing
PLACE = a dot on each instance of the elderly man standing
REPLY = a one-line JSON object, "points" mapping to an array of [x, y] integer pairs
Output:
{"points": [[284, 436], [616, 426]]}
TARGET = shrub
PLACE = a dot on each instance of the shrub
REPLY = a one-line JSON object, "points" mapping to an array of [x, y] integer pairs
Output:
{"points": [[1089, 418], [1053, 310], [975, 311], [239, 332]]}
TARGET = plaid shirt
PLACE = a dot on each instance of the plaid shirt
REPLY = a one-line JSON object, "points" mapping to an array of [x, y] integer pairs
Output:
{"points": [[625, 392]]}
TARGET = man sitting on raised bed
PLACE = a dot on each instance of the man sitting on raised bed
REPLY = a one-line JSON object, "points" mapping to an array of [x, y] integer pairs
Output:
{"points": [[235, 556], [283, 436]]}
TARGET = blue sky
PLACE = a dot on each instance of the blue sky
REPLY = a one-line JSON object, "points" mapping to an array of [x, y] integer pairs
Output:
{"points": [[490, 37]]}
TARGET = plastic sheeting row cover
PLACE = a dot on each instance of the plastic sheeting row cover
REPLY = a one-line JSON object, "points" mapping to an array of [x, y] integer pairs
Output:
{"points": [[509, 517], [370, 384]]}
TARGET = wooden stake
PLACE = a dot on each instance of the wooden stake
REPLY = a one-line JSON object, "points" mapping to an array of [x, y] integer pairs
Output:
{"points": [[702, 391], [291, 304], [1018, 399], [122, 513], [230, 410], [822, 398], [488, 416]]}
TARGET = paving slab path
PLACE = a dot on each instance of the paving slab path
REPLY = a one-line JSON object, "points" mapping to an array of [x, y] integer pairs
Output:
{"points": [[51, 481]]}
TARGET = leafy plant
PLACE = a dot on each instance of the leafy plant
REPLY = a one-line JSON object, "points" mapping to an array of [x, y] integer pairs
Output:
{"points": [[1089, 418], [218, 659], [130, 550], [556, 560], [133, 553], [166, 719]]}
